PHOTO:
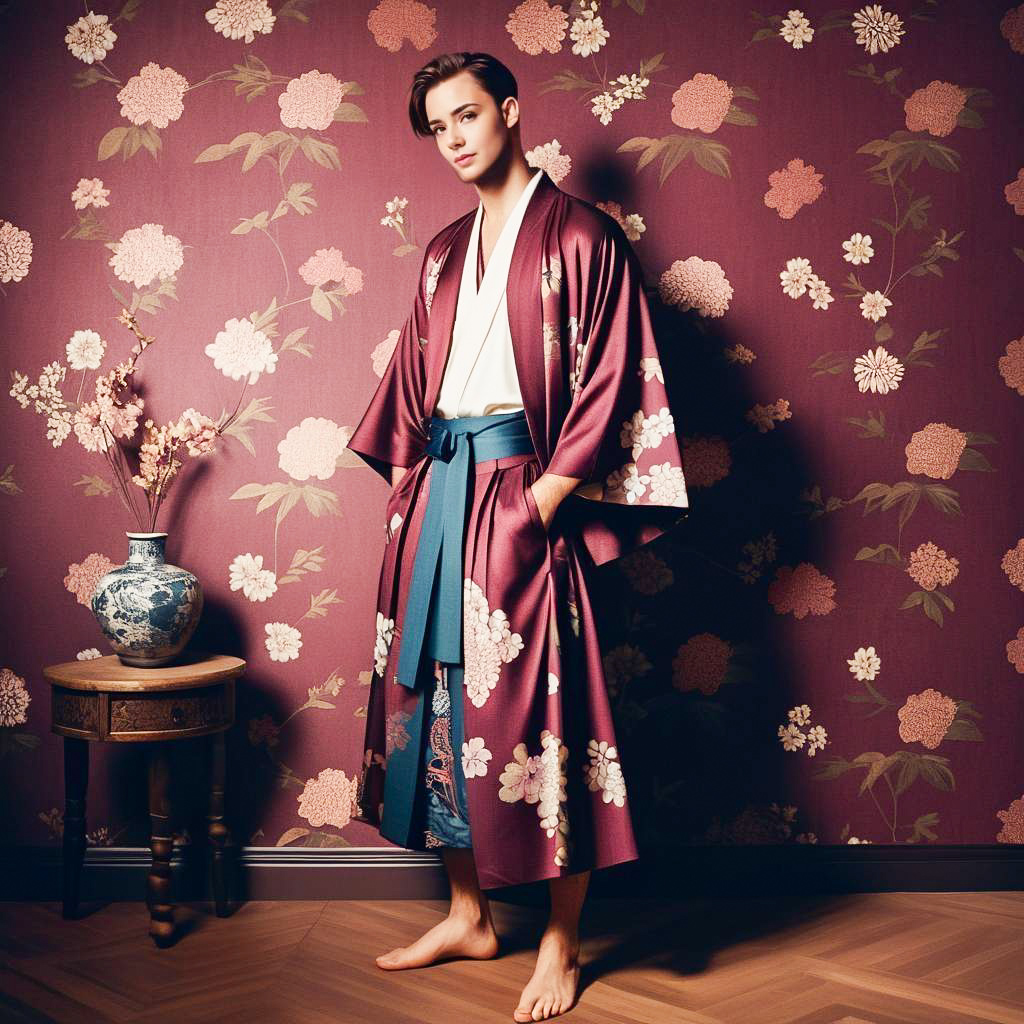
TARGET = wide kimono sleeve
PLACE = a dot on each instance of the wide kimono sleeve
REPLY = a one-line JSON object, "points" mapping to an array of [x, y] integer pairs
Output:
{"points": [[619, 436], [391, 431]]}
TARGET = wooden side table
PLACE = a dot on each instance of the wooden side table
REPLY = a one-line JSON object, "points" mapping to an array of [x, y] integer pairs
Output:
{"points": [[103, 700]]}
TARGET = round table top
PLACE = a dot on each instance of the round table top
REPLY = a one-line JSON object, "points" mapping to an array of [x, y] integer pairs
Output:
{"points": [[191, 668]]}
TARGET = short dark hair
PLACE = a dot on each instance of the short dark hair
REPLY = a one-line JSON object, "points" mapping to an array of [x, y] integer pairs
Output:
{"points": [[489, 72]]}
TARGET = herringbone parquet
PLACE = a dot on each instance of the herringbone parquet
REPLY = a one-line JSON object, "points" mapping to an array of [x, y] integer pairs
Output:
{"points": [[893, 958]]}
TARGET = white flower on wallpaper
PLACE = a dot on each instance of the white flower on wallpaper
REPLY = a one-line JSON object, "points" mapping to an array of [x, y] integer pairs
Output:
{"points": [[153, 96], [14, 699], [235, 19], [240, 349], [90, 38], [310, 100], [796, 29], [282, 641], [876, 29], [873, 306], [799, 279], [793, 738], [878, 371], [312, 448], [551, 158], [85, 350], [588, 32], [394, 217], [819, 292], [89, 192], [865, 663], [246, 573], [145, 253], [858, 249], [15, 252], [89, 654], [381, 355], [632, 224]]}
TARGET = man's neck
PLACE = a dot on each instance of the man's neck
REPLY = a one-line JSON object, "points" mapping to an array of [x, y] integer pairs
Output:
{"points": [[501, 193]]}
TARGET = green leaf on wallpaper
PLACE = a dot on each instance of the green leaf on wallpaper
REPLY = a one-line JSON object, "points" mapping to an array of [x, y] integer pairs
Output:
{"points": [[976, 437], [320, 501], [972, 459], [910, 768], [655, 63], [922, 827], [884, 554], [942, 497], [349, 113], [567, 81], [320, 304], [291, 836], [129, 10], [878, 765], [935, 771], [322, 153], [831, 363], [111, 142], [963, 729], [832, 768]]}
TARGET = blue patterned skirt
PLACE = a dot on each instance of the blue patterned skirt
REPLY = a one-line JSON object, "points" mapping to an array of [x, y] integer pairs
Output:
{"points": [[447, 809]]}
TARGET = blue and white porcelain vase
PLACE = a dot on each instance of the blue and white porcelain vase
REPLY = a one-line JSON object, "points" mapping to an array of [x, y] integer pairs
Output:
{"points": [[147, 608]]}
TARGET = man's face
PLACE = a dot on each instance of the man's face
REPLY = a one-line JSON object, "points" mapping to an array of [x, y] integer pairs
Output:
{"points": [[467, 123]]}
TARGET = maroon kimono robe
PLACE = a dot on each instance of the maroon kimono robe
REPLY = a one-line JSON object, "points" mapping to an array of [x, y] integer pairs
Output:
{"points": [[546, 788]]}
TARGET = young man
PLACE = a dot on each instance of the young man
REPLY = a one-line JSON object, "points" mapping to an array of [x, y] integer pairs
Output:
{"points": [[524, 425]]}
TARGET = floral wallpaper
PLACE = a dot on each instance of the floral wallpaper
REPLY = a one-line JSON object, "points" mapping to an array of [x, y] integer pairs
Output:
{"points": [[224, 201]]}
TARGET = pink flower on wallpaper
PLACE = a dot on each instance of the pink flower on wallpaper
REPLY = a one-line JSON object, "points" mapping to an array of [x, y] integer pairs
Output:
{"points": [[740, 354], [1012, 818], [237, 18], [935, 450], [14, 699], [328, 799], [1015, 651], [764, 417], [801, 590], [1011, 366], [15, 252], [708, 460], [1014, 193], [798, 184], [1013, 564], [327, 265], [381, 354], [146, 253], [925, 718], [83, 576], [930, 567], [623, 664], [310, 100], [633, 224], [396, 736], [701, 664], [697, 284], [89, 192], [536, 25], [393, 21], [701, 103], [551, 158], [935, 108], [646, 572], [91, 37], [1012, 28], [154, 95]]}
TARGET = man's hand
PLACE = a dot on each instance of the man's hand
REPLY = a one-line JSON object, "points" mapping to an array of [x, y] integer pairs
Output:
{"points": [[549, 491]]}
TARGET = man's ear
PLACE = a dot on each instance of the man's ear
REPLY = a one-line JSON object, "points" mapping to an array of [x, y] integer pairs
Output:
{"points": [[510, 111]]}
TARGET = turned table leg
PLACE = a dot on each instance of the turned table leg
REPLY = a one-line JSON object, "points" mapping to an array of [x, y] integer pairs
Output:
{"points": [[76, 780], [161, 910], [217, 828]]}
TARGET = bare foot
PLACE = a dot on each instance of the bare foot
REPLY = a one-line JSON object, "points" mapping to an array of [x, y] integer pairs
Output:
{"points": [[457, 935], [552, 988]]}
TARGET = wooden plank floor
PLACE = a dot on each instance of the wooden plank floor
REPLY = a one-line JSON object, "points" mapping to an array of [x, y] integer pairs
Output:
{"points": [[887, 958]]}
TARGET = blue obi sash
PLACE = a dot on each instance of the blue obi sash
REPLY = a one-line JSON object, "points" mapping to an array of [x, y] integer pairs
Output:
{"points": [[433, 614]]}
